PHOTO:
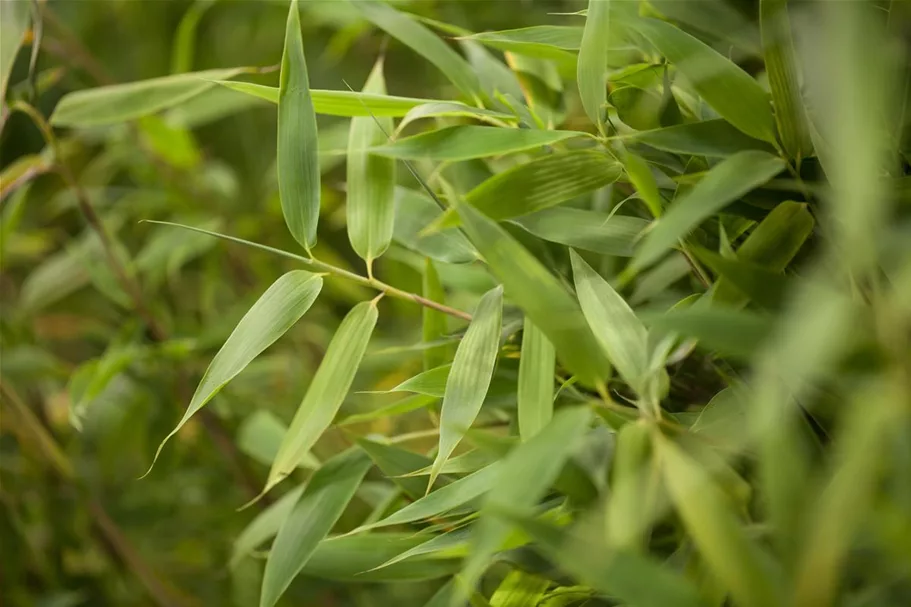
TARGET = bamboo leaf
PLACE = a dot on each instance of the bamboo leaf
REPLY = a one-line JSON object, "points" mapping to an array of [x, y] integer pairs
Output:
{"points": [[734, 558], [312, 518], [524, 476], [591, 72], [434, 324], [469, 378], [327, 390], [723, 84], [536, 381], [617, 328], [371, 181], [778, 52], [123, 102], [724, 183], [712, 138], [588, 230], [276, 311], [298, 156], [466, 142], [539, 294], [422, 41]]}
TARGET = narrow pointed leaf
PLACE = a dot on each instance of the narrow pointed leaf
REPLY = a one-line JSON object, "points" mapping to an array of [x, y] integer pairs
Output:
{"points": [[271, 316], [614, 324], [712, 138], [298, 156], [416, 36], [327, 390], [588, 230], [123, 102], [591, 72], [312, 518], [540, 295], [723, 84], [371, 180], [465, 142], [469, 378], [721, 540], [536, 381], [434, 324], [724, 183]]}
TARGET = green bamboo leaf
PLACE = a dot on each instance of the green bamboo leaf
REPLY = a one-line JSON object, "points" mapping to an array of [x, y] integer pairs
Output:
{"points": [[640, 175], [469, 378], [371, 181], [589, 230], [338, 103], [434, 324], [723, 84], [519, 589], [453, 109], [591, 72], [123, 102], [778, 51], [466, 142], [637, 580], [312, 518], [396, 464], [298, 158], [14, 22], [737, 561], [424, 42], [263, 527], [540, 295], [443, 500], [732, 332], [616, 327], [523, 478], [271, 316], [536, 381], [724, 183], [712, 138], [327, 390]]}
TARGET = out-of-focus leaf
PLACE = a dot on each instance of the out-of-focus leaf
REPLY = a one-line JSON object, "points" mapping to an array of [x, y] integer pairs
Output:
{"points": [[465, 142], [298, 157], [434, 324], [327, 390], [259, 436], [371, 181], [734, 558], [271, 316], [123, 102], [591, 72], [713, 138], [778, 52], [723, 84], [264, 526], [14, 21], [536, 381], [523, 477], [415, 212], [338, 103], [589, 230], [470, 375], [729, 331], [312, 518], [422, 41], [539, 294], [725, 182], [616, 327]]}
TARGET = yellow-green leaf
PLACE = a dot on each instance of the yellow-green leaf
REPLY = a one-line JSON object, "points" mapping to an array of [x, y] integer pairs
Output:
{"points": [[298, 156], [536, 380]]}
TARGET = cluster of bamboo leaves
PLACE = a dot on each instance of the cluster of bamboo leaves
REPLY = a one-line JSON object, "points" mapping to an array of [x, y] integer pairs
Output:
{"points": [[688, 379]]}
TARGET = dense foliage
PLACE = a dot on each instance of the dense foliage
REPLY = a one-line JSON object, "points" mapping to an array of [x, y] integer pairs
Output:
{"points": [[495, 303]]}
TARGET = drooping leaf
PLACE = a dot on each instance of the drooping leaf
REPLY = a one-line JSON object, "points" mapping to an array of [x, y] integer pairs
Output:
{"points": [[421, 40], [536, 381], [591, 73], [539, 294], [312, 518], [712, 138], [371, 181], [124, 102], [298, 156], [723, 84], [589, 230], [725, 182], [469, 378], [271, 316], [465, 142], [327, 390]]}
